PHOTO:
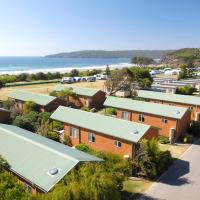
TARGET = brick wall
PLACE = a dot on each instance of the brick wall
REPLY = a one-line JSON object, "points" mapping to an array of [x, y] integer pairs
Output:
{"points": [[106, 143], [193, 111], [156, 121], [4, 116]]}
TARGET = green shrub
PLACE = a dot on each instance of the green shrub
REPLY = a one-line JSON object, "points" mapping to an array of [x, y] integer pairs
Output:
{"points": [[187, 138], [83, 147], [53, 135], [110, 111], [112, 162], [150, 162], [163, 139], [194, 128], [84, 108]]}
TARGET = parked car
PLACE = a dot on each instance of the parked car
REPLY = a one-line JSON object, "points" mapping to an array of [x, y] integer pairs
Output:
{"points": [[77, 79], [101, 76], [67, 80], [83, 79], [91, 79]]}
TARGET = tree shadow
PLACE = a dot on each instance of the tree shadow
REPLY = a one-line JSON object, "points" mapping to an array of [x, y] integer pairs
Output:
{"points": [[137, 196], [173, 176]]}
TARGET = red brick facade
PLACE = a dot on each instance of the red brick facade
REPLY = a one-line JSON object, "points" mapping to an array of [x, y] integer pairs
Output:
{"points": [[194, 110], [104, 142], [4, 116], [163, 123]]}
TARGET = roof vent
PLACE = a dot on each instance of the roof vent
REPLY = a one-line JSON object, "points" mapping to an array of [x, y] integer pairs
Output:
{"points": [[135, 131], [177, 112], [53, 171]]}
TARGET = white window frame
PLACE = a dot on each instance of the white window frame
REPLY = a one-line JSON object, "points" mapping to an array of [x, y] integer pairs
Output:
{"points": [[125, 115], [191, 108], [91, 137], [72, 132], [118, 143], [141, 118], [164, 120]]}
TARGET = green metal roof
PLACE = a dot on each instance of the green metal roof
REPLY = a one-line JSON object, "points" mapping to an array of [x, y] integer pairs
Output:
{"points": [[79, 91], [146, 107], [32, 156], [39, 99], [185, 99], [118, 128]]}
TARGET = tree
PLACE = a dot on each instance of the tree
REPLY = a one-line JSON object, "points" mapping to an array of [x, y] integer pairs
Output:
{"points": [[150, 161], [108, 70], [186, 90], [43, 128], [74, 72], [53, 136], [1, 84], [186, 71], [10, 188], [27, 121], [118, 80], [141, 76], [65, 95], [3, 164], [30, 106], [142, 60], [88, 182]]}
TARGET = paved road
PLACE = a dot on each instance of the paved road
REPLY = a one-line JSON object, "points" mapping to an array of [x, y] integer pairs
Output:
{"points": [[181, 181]]}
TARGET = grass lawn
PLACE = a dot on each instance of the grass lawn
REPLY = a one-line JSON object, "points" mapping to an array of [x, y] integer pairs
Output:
{"points": [[176, 150], [46, 88], [136, 186]]}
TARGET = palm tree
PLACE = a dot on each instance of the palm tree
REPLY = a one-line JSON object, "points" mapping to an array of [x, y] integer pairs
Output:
{"points": [[66, 94]]}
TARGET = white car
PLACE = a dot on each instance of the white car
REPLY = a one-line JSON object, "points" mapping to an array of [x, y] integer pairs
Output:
{"points": [[67, 80], [101, 77]]}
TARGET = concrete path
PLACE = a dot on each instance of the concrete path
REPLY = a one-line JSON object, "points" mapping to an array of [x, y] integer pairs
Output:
{"points": [[181, 181]]}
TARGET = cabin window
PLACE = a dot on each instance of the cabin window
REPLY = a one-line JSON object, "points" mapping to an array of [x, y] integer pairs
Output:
{"points": [[163, 120], [124, 115], [190, 107], [72, 133], [118, 143], [141, 117], [91, 137]]}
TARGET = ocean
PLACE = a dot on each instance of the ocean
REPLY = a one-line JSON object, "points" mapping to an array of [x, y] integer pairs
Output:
{"points": [[16, 65]]}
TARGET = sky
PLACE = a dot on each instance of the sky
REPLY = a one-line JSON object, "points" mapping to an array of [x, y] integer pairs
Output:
{"points": [[41, 27]]}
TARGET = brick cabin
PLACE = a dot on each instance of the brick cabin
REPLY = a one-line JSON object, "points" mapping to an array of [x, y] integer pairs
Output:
{"points": [[85, 97], [185, 101], [166, 118], [101, 132], [46, 103], [55, 160], [4, 115]]}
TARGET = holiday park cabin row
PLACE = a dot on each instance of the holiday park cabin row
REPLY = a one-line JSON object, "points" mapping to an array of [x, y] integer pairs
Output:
{"points": [[172, 121], [185, 101], [102, 132]]}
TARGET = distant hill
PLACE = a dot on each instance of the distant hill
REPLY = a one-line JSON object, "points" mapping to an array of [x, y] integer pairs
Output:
{"points": [[156, 54], [182, 56]]}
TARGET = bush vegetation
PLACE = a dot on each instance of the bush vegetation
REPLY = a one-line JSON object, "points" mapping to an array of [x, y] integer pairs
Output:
{"points": [[187, 138], [163, 140], [150, 162], [110, 111]]}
